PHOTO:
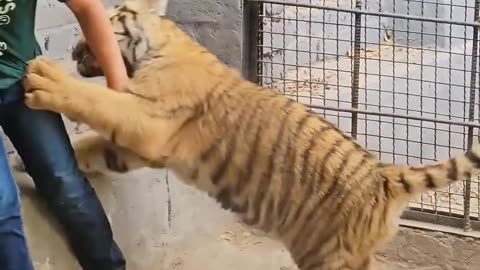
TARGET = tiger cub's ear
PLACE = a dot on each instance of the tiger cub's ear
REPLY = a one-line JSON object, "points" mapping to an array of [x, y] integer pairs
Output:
{"points": [[157, 6], [161, 7]]}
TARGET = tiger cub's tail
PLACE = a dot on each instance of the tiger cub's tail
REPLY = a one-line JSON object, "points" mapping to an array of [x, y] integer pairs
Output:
{"points": [[415, 179]]}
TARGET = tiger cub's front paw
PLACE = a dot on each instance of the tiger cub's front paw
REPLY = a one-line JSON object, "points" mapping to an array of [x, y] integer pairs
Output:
{"points": [[47, 85]]}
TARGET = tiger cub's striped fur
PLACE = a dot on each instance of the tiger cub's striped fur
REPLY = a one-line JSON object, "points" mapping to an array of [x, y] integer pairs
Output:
{"points": [[262, 155]]}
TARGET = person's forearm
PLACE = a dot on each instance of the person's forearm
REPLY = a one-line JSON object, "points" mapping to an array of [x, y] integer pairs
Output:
{"points": [[99, 35]]}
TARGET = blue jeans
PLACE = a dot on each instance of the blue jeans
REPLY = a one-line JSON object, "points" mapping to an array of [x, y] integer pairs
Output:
{"points": [[44, 146]]}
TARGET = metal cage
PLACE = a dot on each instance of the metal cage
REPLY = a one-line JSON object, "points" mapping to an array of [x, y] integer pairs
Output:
{"points": [[401, 76]]}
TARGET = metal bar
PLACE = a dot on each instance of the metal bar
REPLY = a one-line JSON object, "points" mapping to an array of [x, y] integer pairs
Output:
{"points": [[259, 27], [251, 31], [394, 115], [436, 217], [369, 13], [363, 27], [356, 66], [471, 117], [384, 61]]}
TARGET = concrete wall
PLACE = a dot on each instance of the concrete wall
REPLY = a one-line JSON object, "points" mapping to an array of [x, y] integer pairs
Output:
{"points": [[216, 24]]}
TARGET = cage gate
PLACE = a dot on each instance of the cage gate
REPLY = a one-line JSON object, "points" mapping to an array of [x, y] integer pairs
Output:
{"points": [[401, 76]]}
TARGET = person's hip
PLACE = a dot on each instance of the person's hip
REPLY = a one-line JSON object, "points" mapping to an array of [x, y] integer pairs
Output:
{"points": [[13, 93]]}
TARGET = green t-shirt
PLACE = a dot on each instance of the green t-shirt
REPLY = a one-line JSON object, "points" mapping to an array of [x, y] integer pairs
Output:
{"points": [[18, 44]]}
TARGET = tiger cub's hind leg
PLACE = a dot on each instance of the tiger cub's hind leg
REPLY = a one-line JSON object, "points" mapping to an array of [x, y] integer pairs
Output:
{"points": [[339, 263], [336, 267], [95, 155], [327, 258]]}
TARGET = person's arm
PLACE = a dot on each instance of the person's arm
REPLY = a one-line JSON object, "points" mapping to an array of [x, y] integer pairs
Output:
{"points": [[98, 32]]}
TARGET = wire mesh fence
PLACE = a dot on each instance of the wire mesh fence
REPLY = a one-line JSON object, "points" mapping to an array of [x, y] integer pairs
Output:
{"points": [[401, 76]]}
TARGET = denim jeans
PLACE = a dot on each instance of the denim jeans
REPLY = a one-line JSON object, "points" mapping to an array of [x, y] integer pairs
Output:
{"points": [[44, 146]]}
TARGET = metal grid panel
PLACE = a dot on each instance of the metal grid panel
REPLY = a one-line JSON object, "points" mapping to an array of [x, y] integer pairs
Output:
{"points": [[399, 75]]}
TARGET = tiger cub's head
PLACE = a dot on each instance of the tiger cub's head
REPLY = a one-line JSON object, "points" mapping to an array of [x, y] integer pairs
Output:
{"points": [[134, 24]]}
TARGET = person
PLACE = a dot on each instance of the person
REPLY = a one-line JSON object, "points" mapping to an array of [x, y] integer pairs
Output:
{"points": [[41, 140]]}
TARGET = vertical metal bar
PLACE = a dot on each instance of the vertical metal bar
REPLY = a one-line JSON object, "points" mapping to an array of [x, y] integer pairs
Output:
{"points": [[471, 112], [252, 35], [356, 66], [477, 5]]}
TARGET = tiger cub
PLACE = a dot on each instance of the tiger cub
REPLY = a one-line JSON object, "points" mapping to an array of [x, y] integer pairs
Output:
{"points": [[280, 167]]}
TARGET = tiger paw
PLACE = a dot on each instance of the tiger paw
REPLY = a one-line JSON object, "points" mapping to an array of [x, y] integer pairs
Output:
{"points": [[47, 85], [89, 154]]}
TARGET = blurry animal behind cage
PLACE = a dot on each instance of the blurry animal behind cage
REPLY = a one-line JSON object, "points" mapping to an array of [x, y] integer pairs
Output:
{"points": [[399, 75]]}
